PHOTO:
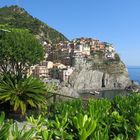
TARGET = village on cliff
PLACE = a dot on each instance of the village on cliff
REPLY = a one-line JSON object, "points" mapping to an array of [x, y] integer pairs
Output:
{"points": [[60, 58]]}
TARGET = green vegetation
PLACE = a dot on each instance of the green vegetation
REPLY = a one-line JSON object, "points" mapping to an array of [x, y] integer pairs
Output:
{"points": [[29, 92], [117, 57], [118, 119], [4, 127], [19, 18], [18, 51]]}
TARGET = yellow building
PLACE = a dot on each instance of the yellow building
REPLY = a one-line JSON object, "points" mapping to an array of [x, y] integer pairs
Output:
{"points": [[59, 66], [41, 71]]}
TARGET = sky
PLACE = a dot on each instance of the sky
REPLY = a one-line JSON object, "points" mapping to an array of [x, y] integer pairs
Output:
{"points": [[113, 21]]}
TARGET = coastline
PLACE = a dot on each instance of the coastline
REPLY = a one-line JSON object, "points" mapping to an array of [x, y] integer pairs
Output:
{"points": [[134, 73]]}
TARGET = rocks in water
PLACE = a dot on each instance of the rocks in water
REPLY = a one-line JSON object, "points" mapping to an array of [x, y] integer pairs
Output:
{"points": [[134, 87]]}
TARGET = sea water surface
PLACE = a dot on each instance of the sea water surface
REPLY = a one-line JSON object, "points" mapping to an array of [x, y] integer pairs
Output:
{"points": [[134, 73]]}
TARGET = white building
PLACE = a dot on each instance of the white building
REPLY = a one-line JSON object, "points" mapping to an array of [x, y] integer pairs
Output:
{"points": [[110, 55], [65, 73]]}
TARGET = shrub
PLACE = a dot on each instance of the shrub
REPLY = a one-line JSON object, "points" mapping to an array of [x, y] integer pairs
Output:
{"points": [[21, 94]]}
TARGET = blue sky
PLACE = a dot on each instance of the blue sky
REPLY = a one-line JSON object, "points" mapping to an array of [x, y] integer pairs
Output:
{"points": [[114, 21]]}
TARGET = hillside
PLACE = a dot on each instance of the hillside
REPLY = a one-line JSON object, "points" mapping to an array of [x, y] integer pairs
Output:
{"points": [[19, 18]]}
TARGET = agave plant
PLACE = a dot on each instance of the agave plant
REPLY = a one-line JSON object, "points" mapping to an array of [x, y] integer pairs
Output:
{"points": [[23, 93]]}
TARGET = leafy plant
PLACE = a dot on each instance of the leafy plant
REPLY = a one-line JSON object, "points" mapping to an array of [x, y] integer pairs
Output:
{"points": [[37, 123], [59, 127], [22, 134], [129, 109], [4, 127], [21, 94], [100, 134], [118, 119], [19, 50], [46, 135], [85, 126], [99, 109]]}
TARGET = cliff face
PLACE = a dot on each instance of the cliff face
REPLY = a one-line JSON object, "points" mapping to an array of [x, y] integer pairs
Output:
{"points": [[97, 73], [96, 77], [88, 78]]}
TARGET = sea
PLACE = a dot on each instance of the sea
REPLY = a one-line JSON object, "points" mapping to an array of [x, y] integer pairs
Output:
{"points": [[134, 73]]}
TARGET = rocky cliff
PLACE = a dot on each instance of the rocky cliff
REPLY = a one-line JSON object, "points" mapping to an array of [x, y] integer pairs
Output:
{"points": [[96, 74], [104, 76], [91, 77]]}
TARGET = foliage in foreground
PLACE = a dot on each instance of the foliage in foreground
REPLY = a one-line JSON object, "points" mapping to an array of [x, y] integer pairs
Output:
{"points": [[29, 92], [102, 119]]}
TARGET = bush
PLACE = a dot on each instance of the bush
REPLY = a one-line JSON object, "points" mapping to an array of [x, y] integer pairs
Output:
{"points": [[22, 94], [118, 119]]}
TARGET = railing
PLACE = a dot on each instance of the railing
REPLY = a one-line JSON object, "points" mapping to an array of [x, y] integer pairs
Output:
{"points": [[98, 90], [54, 97]]}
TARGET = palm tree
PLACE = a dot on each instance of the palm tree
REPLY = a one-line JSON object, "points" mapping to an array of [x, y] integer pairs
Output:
{"points": [[23, 93]]}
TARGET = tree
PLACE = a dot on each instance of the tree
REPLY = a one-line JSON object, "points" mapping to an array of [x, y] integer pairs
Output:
{"points": [[18, 51]]}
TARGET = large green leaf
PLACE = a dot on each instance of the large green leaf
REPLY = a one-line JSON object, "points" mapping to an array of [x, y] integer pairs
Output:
{"points": [[30, 91]]}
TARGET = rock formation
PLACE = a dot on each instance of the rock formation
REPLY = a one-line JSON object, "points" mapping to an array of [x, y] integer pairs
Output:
{"points": [[97, 73], [111, 76]]}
